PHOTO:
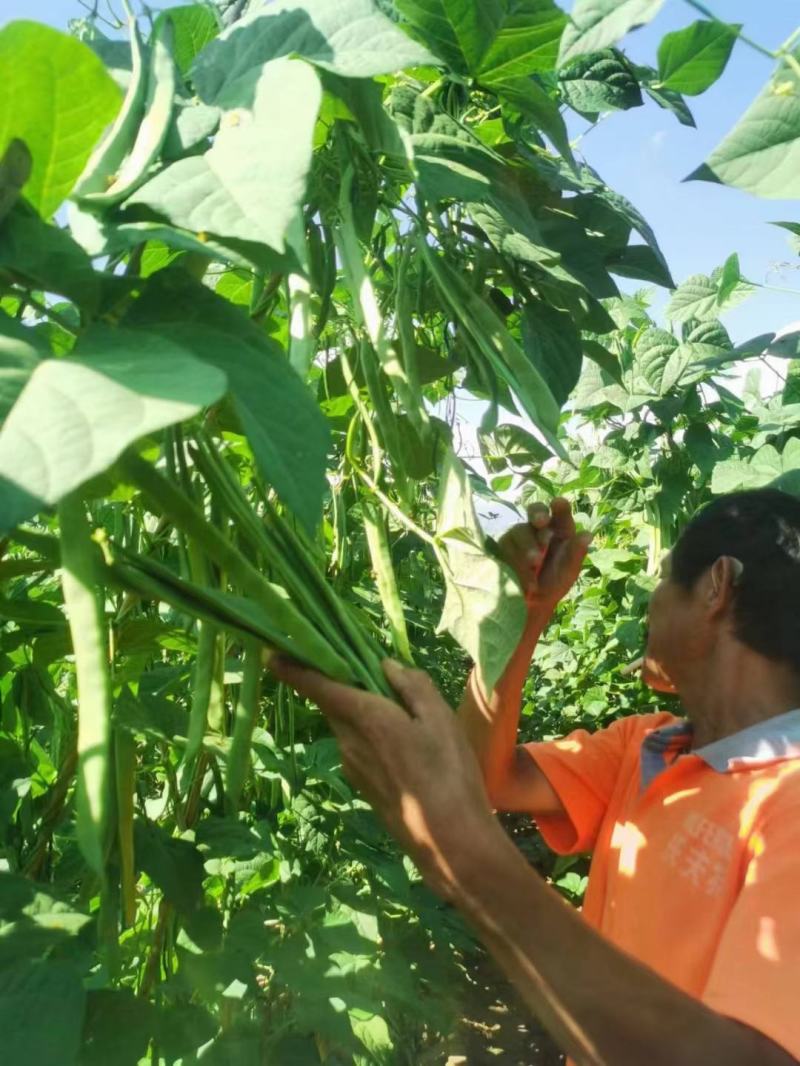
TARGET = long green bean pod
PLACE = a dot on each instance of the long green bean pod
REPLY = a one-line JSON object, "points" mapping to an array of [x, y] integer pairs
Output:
{"points": [[243, 724], [125, 779], [277, 628], [296, 545], [365, 300], [498, 347], [87, 624], [161, 80], [104, 163], [404, 322], [264, 541], [385, 577], [169, 501], [301, 337], [202, 679]]}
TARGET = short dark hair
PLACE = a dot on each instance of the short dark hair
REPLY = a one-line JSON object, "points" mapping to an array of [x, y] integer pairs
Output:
{"points": [[760, 528]]}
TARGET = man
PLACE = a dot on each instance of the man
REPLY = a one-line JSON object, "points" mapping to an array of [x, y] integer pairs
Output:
{"points": [[688, 949]]}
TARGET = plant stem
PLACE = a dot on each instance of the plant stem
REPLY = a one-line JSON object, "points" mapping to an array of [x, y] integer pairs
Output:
{"points": [[393, 509]]}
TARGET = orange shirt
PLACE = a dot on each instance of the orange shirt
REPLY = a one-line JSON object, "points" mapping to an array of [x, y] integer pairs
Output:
{"points": [[696, 856]]}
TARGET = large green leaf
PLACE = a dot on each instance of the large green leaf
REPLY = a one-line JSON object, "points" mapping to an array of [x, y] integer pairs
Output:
{"points": [[702, 297], [484, 609], [175, 865], [639, 261], [761, 154], [691, 60], [596, 24], [500, 43], [41, 1011], [653, 350], [118, 1028], [21, 349], [601, 81], [76, 415], [58, 98], [628, 211], [35, 924], [766, 467], [287, 432], [552, 341], [668, 99], [349, 37], [493, 40], [193, 26], [47, 258], [249, 184]]}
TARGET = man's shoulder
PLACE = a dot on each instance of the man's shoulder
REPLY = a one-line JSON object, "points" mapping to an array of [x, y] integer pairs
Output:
{"points": [[637, 726]]}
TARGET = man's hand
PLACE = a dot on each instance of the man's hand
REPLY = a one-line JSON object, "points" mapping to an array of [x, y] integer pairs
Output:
{"points": [[413, 765], [545, 552]]}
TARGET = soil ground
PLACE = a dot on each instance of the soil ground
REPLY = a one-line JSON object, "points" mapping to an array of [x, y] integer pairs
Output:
{"points": [[495, 1028]]}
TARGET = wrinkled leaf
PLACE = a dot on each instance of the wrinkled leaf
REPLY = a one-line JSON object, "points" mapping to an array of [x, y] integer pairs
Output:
{"points": [[601, 81]]}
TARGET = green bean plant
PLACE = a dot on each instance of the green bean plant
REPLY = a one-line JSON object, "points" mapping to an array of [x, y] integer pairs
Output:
{"points": [[249, 254]]}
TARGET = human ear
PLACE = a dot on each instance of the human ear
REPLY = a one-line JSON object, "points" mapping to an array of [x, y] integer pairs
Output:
{"points": [[725, 574]]}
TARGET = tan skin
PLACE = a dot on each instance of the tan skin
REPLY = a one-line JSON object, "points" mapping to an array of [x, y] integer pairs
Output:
{"points": [[423, 770]]}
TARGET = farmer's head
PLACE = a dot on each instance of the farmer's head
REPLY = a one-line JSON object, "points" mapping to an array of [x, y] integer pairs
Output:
{"points": [[732, 580]]}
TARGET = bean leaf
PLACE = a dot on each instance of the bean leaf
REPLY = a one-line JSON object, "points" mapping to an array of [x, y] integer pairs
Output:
{"points": [[761, 154], [249, 184], [351, 37], [691, 60], [596, 24], [286, 430], [58, 98], [484, 609], [601, 81], [76, 415]]}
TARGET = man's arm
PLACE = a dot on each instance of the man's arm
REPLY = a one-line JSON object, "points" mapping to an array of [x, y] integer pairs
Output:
{"points": [[512, 779], [546, 554], [603, 1007]]}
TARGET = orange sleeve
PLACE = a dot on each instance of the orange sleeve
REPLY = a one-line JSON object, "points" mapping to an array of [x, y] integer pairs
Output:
{"points": [[583, 769], [756, 971]]}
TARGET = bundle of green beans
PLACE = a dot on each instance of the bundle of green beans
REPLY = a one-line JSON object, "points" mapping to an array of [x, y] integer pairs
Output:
{"points": [[302, 616]]}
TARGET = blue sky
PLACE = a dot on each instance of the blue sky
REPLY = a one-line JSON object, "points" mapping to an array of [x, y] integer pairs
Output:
{"points": [[645, 153]]}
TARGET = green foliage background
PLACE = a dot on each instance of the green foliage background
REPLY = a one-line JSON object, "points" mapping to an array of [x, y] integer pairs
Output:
{"points": [[246, 252]]}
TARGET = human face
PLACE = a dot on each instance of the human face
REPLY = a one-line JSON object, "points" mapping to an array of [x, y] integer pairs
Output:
{"points": [[669, 632]]}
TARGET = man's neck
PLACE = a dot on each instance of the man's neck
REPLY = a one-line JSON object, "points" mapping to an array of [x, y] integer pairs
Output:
{"points": [[735, 689]]}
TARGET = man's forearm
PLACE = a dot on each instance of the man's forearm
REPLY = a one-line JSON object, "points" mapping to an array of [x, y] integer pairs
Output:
{"points": [[491, 721], [602, 1006]]}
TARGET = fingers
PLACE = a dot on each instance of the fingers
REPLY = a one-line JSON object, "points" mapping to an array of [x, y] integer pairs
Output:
{"points": [[557, 517], [525, 544], [539, 515], [414, 687], [334, 699], [562, 523]]}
